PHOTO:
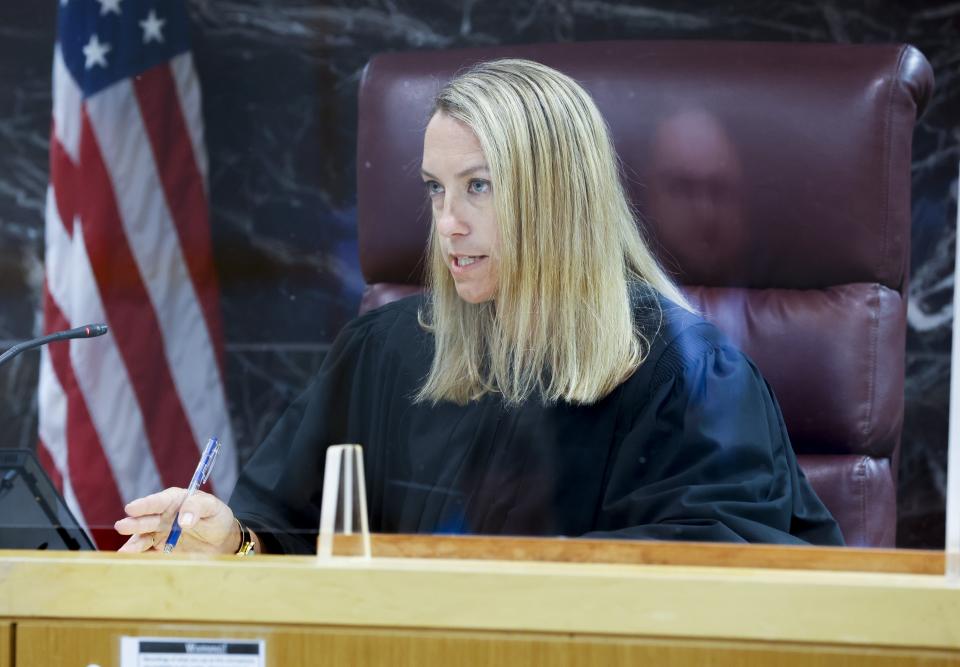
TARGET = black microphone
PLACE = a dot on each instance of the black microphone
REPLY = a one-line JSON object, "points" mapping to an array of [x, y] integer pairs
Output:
{"points": [[88, 331]]}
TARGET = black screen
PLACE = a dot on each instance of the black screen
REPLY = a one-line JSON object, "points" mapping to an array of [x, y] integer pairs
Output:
{"points": [[33, 514]]}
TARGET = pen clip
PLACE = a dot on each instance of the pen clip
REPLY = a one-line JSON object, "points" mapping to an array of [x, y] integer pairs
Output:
{"points": [[209, 459]]}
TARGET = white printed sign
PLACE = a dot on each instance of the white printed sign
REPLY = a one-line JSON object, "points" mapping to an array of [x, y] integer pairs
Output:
{"points": [[191, 652]]}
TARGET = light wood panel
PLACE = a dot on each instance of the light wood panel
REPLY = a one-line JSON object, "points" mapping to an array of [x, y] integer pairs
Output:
{"points": [[6, 644], [58, 644], [907, 561], [822, 607]]}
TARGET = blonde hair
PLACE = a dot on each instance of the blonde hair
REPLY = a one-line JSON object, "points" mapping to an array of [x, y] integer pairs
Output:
{"points": [[560, 326]]}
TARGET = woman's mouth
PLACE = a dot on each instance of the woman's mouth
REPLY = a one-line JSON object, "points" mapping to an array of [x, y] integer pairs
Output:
{"points": [[460, 264]]}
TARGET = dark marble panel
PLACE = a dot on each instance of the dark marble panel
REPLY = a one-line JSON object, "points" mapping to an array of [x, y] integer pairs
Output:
{"points": [[26, 33], [280, 80], [264, 378]]}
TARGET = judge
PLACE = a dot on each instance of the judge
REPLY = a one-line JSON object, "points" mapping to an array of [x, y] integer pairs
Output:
{"points": [[552, 380]]}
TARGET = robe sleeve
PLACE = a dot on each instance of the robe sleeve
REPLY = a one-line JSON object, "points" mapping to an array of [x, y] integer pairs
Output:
{"points": [[278, 493], [706, 457]]}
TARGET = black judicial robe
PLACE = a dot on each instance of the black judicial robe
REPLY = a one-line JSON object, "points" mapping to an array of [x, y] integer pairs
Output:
{"points": [[691, 447]]}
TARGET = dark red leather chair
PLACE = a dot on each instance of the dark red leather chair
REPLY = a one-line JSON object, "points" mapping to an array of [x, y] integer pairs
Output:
{"points": [[774, 182]]}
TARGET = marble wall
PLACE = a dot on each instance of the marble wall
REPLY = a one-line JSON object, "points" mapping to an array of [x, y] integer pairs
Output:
{"points": [[280, 79]]}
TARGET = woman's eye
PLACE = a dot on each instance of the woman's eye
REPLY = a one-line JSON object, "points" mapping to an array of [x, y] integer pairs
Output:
{"points": [[433, 188], [479, 187]]}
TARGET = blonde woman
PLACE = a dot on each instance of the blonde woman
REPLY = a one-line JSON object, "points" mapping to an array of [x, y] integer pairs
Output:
{"points": [[551, 381]]}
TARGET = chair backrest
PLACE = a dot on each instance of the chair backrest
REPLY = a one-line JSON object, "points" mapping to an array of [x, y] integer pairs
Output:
{"points": [[774, 183]]}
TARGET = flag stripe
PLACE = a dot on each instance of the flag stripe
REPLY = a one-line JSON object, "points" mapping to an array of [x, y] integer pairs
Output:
{"points": [[88, 468], [66, 106], [53, 433], [134, 323], [46, 460], [64, 172], [182, 186], [153, 242], [100, 370], [188, 89]]}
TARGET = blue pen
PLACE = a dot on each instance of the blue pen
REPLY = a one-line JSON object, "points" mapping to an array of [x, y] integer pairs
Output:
{"points": [[200, 476]]}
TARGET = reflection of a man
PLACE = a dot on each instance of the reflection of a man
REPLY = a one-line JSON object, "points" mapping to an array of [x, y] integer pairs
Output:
{"points": [[695, 197]]}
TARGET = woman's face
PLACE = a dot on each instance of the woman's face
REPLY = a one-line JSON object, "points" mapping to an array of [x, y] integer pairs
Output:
{"points": [[457, 177]]}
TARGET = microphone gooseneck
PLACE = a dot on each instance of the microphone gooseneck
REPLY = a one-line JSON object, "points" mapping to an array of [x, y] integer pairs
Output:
{"points": [[86, 331]]}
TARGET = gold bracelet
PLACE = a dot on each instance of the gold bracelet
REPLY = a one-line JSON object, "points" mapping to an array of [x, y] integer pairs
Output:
{"points": [[247, 546]]}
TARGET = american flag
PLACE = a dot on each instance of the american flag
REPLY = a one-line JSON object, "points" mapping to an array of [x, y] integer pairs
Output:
{"points": [[128, 243]]}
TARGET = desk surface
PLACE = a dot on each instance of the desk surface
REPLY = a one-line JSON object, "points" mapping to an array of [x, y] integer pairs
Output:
{"points": [[894, 609]]}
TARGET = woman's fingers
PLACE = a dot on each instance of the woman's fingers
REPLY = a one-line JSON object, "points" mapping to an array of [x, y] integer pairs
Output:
{"points": [[206, 517], [149, 520], [138, 543], [200, 506], [144, 524], [163, 502], [206, 521], [131, 546]]}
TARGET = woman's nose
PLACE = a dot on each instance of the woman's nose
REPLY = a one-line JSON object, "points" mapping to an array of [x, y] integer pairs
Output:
{"points": [[449, 220]]}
